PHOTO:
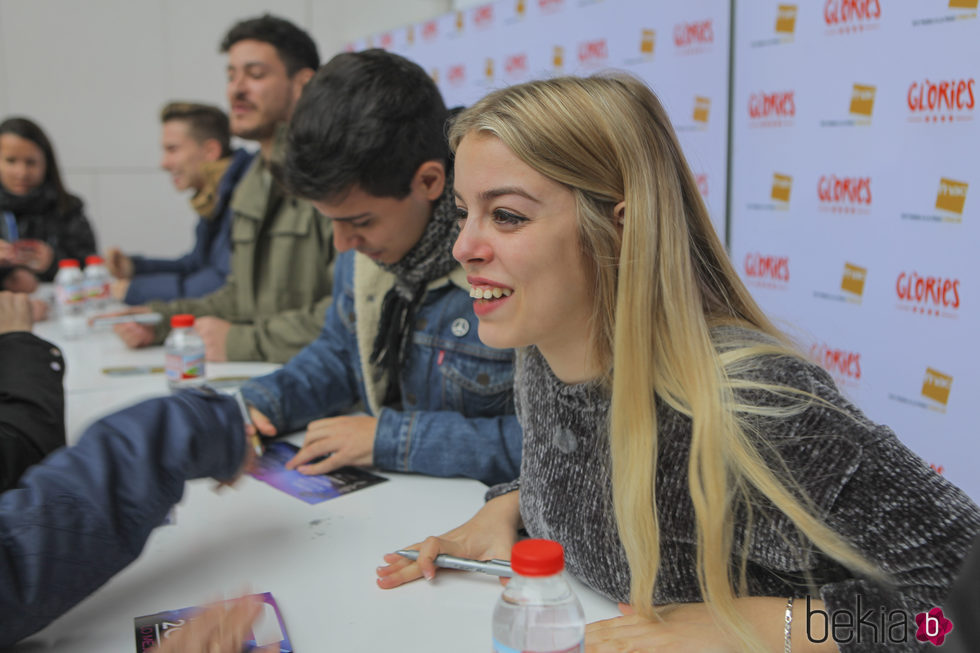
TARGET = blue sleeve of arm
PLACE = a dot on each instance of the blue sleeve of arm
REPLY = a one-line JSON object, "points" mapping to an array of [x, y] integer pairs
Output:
{"points": [[85, 513], [317, 382], [444, 443]]}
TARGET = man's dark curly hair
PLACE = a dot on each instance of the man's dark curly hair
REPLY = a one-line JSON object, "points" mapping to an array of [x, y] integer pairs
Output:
{"points": [[294, 46], [368, 119]]}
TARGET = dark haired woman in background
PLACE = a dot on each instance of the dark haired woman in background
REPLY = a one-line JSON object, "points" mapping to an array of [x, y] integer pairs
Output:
{"points": [[40, 222]]}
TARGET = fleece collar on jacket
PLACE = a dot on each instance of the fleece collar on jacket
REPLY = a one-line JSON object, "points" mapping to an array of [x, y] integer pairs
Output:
{"points": [[370, 285]]}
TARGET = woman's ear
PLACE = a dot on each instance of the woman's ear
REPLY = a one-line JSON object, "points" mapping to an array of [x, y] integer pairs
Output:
{"points": [[620, 212]]}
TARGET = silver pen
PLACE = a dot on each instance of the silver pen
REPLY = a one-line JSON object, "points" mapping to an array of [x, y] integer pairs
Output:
{"points": [[492, 567], [140, 318]]}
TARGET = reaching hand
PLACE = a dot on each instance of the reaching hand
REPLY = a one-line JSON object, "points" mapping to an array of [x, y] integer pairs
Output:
{"points": [[221, 628], [119, 265], [15, 312], [214, 333], [346, 440]]}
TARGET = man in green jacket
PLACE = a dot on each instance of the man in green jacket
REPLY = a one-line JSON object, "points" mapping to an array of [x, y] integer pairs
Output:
{"points": [[275, 298]]}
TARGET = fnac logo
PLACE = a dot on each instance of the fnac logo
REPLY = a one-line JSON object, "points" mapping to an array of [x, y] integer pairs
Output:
{"points": [[516, 64], [844, 194], [558, 57], [841, 363], [702, 107], [951, 196], [460, 21], [767, 267], [839, 12], [962, 4], [853, 279], [488, 69], [456, 74], [786, 19], [781, 187], [410, 34], [520, 8], [483, 16], [648, 40], [769, 106], [938, 100], [430, 30], [862, 100], [936, 386], [927, 294], [697, 33], [593, 52]]}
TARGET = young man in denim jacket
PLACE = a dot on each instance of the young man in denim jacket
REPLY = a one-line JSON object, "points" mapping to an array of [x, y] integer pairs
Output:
{"points": [[367, 145]]}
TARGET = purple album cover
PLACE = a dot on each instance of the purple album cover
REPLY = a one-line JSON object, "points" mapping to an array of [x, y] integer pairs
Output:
{"points": [[271, 469], [153, 629]]}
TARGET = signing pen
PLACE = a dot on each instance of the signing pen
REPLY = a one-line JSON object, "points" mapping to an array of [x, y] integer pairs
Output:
{"points": [[141, 318], [492, 567]]}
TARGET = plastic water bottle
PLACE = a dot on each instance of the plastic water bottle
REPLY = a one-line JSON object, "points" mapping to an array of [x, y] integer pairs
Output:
{"points": [[185, 353], [97, 280], [70, 297], [538, 611]]}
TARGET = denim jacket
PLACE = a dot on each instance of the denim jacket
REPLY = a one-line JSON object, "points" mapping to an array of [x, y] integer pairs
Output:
{"points": [[457, 414]]}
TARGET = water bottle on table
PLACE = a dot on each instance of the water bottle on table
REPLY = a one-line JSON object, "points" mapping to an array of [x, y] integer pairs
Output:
{"points": [[538, 611], [97, 281], [70, 297], [184, 354]]}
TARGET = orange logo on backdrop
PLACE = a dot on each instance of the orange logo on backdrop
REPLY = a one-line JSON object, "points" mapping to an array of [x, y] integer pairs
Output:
{"points": [[936, 386], [781, 187], [558, 57], [786, 19], [962, 4], [853, 279], [410, 34], [459, 21], [862, 100], [520, 8], [702, 106], [488, 69], [647, 41], [952, 195]]}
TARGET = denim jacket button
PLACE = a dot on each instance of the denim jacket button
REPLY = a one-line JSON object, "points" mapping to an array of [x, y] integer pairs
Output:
{"points": [[411, 398], [352, 317], [460, 327], [483, 378]]}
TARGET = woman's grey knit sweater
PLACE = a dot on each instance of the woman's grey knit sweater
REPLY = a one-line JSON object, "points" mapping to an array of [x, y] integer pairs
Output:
{"points": [[867, 486]]}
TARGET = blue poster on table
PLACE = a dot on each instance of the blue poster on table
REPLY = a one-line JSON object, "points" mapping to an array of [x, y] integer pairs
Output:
{"points": [[271, 469]]}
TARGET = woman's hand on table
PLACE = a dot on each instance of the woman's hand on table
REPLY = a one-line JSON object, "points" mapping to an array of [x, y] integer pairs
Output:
{"points": [[347, 440], [490, 534], [221, 628], [15, 312]]}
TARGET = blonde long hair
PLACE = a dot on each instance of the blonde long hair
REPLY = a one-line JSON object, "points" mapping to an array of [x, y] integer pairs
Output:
{"points": [[608, 139]]}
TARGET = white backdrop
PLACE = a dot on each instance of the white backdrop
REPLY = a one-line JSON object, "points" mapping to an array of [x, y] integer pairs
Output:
{"points": [[679, 49], [854, 150]]}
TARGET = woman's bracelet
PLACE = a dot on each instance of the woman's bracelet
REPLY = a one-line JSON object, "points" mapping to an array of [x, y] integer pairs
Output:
{"points": [[788, 627]]}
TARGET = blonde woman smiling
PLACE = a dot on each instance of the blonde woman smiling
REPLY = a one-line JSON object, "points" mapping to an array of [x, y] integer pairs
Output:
{"points": [[690, 461]]}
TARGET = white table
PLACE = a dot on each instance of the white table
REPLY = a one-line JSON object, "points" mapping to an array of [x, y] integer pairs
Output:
{"points": [[318, 561]]}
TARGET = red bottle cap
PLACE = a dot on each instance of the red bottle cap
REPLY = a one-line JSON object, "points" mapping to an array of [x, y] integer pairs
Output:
{"points": [[537, 558], [93, 260], [182, 320], [67, 263]]}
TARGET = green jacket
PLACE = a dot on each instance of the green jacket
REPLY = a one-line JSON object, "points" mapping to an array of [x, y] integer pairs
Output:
{"points": [[281, 275]]}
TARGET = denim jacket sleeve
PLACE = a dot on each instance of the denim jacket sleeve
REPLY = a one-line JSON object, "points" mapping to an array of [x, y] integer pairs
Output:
{"points": [[445, 443], [320, 380], [86, 511]]}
